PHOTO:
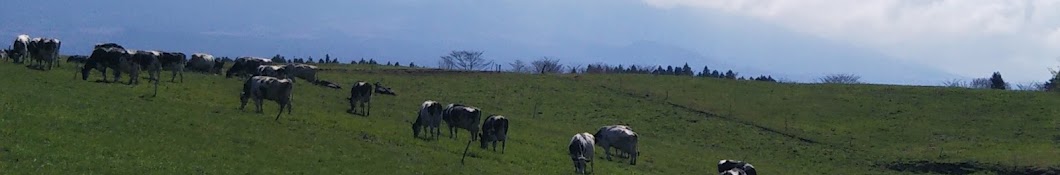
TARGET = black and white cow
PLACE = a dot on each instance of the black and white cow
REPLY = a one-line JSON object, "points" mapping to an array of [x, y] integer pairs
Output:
{"points": [[736, 167], [430, 117], [44, 50], [328, 84], [272, 71], [303, 71], [267, 88], [114, 57], [463, 117], [618, 136], [494, 129], [202, 62], [246, 66], [175, 62], [149, 61], [379, 88], [76, 59], [361, 95], [581, 150], [20, 48]]}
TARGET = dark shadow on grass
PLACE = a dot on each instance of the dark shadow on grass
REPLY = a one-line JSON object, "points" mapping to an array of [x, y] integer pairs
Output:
{"points": [[33, 67], [966, 168]]}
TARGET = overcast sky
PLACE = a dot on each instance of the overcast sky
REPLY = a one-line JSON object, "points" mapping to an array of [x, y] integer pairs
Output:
{"points": [[886, 41]]}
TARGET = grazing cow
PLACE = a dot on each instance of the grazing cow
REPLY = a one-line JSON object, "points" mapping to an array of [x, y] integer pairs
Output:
{"points": [[494, 129], [464, 117], [267, 88], [271, 70], [115, 58], [303, 71], [430, 117], [361, 95], [383, 90], [581, 150], [620, 137], [175, 62], [736, 167], [44, 50], [246, 66], [20, 48], [205, 63]]}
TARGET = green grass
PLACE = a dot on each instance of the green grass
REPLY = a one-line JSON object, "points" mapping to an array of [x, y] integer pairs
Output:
{"points": [[51, 123]]}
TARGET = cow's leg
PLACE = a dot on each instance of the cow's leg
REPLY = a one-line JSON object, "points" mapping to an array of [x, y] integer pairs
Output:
{"points": [[257, 103], [289, 106], [281, 111], [504, 144], [607, 152]]}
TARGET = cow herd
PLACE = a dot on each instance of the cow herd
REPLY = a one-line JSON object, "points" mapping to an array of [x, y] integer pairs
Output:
{"points": [[39, 51], [266, 81]]}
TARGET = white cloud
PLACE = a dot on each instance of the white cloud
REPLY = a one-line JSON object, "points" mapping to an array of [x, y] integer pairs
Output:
{"points": [[1025, 32]]}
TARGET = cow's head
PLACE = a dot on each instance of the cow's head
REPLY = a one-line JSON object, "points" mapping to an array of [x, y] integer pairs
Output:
{"points": [[579, 164], [87, 68], [484, 139]]}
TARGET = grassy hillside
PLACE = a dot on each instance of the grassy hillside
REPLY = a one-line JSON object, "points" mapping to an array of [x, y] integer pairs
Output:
{"points": [[51, 123]]}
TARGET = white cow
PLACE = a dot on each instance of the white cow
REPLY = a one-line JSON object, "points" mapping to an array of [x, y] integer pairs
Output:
{"points": [[581, 150], [430, 117], [618, 136], [267, 88]]}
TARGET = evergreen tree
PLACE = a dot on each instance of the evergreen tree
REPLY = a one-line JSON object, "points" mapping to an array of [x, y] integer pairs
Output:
{"points": [[996, 82], [686, 70], [372, 61], [412, 65], [669, 70], [362, 61], [730, 75], [715, 74]]}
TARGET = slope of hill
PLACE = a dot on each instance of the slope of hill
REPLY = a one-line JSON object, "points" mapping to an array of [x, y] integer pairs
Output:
{"points": [[51, 123]]}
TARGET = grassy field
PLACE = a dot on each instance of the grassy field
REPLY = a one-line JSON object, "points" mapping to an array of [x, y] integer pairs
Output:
{"points": [[51, 123]]}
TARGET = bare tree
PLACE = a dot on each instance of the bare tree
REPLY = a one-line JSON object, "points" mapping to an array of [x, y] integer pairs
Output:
{"points": [[954, 83], [979, 83], [840, 79], [575, 69], [547, 65], [465, 60], [1031, 86], [519, 67]]}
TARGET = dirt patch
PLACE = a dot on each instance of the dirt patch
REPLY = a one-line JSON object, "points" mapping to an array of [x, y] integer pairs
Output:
{"points": [[709, 114], [966, 168], [405, 71]]}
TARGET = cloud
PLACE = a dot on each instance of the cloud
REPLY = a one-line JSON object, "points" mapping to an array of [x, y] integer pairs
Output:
{"points": [[1006, 34]]}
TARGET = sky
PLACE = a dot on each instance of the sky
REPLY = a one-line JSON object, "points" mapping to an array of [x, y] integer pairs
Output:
{"points": [[916, 42]]}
